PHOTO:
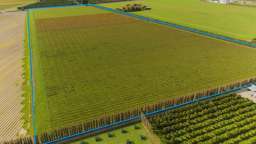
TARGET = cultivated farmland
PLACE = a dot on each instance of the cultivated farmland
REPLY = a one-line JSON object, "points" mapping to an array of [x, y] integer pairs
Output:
{"points": [[230, 20], [227, 119], [11, 54], [92, 63]]}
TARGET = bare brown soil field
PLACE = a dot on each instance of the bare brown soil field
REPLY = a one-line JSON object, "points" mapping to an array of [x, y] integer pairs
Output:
{"points": [[88, 21], [11, 54]]}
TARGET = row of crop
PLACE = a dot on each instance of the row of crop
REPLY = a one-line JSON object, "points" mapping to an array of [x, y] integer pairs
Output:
{"points": [[150, 110], [191, 125], [216, 128], [214, 121], [186, 128], [136, 112], [194, 111], [25, 140]]}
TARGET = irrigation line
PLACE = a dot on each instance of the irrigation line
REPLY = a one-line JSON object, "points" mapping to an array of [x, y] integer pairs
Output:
{"points": [[31, 78], [177, 26], [149, 114]]}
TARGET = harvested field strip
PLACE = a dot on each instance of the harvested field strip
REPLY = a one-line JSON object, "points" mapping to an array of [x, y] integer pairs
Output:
{"points": [[85, 72], [11, 54]]}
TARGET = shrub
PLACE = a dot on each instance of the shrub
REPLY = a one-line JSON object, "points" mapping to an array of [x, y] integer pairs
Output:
{"points": [[111, 135], [97, 139], [129, 142], [254, 40], [133, 8], [142, 137], [124, 131], [83, 142], [136, 127]]}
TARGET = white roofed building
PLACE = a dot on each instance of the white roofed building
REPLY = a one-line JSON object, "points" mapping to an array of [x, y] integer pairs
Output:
{"points": [[252, 88], [222, 1]]}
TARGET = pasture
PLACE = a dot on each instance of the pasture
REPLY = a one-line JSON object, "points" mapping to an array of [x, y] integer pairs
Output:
{"points": [[134, 133], [227, 119], [229, 20], [92, 62]]}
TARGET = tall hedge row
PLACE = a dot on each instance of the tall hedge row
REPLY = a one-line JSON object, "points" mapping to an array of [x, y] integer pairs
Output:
{"points": [[135, 112], [47, 3]]}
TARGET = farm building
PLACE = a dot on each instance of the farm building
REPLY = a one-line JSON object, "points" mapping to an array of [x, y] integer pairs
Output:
{"points": [[222, 1], [252, 88]]}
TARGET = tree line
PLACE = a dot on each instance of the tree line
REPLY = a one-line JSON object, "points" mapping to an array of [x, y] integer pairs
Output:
{"points": [[106, 119]]}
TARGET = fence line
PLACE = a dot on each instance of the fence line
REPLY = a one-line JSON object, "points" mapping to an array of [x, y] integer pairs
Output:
{"points": [[148, 129], [121, 119], [177, 26], [32, 83], [109, 122]]}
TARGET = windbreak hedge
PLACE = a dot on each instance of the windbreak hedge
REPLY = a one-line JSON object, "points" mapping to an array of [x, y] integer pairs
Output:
{"points": [[47, 3]]}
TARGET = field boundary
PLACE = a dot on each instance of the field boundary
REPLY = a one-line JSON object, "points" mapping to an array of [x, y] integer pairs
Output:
{"points": [[31, 77], [169, 24], [101, 126], [48, 7], [177, 26]]}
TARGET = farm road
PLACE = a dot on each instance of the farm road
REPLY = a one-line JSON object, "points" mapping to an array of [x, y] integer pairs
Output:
{"points": [[11, 54]]}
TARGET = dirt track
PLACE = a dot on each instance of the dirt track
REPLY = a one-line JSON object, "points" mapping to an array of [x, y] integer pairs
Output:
{"points": [[11, 54]]}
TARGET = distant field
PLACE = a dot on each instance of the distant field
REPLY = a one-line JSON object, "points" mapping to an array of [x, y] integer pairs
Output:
{"points": [[228, 120], [91, 64], [13, 3], [66, 12], [229, 20]]}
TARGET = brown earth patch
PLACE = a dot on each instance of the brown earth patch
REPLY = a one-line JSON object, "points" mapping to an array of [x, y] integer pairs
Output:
{"points": [[85, 21]]}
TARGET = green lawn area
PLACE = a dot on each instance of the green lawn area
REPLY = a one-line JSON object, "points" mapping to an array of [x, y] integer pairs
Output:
{"points": [[230, 20], [4, 4], [87, 65], [119, 137]]}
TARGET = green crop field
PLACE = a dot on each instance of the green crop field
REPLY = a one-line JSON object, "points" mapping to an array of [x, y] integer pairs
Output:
{"points": [[229, 20], [228, 120], [87, 65]]}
